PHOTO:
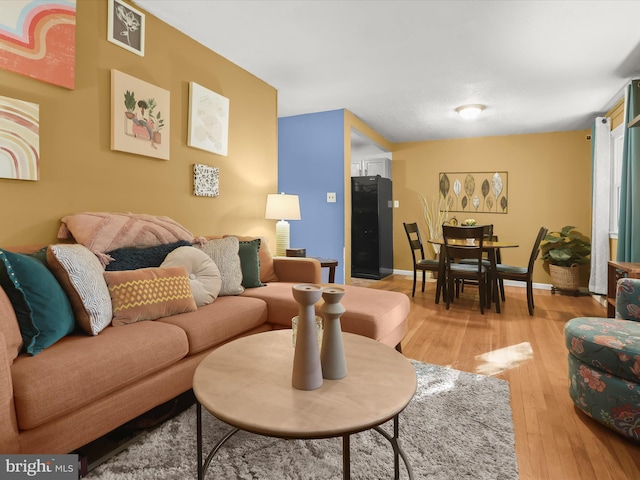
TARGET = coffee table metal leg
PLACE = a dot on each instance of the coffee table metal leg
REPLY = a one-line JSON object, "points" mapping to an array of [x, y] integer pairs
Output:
{"points": [[397, 451], [202, 467], [199, 437], [346, 457], [346, 448]]}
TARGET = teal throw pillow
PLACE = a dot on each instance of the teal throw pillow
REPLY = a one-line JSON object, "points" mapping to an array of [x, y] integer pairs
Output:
{"points": [[41, 306], [250, 263]]}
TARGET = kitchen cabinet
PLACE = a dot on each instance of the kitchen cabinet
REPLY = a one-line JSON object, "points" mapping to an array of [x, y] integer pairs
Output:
{"points": [[371, 167]]}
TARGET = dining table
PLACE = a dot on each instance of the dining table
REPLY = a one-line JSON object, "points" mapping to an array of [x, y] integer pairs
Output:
{"points": [[489, 246]]}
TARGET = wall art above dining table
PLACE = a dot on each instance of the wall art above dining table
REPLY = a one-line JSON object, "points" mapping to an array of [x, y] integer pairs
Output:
{"points": [[474, 192]]}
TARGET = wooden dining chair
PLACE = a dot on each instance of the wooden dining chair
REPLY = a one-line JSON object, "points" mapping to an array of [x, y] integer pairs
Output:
{"points": [[487, 232], [521, 274], [423, 264], [494, 238], [465, 243]]}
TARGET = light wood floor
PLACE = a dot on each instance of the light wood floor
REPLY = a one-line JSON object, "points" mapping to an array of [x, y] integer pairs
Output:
{"points": [[553, 439]]}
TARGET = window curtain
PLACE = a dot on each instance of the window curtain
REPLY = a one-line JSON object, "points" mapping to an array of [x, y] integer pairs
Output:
{"points": [[600, 198], [629, 223]]}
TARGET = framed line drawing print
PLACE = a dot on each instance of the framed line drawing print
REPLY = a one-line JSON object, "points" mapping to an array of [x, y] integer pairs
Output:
{"points": [[139, 116], [208, 120], [126, 27]]}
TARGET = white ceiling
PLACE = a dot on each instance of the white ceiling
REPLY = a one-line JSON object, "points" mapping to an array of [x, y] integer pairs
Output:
{"points": [[404, 66]]}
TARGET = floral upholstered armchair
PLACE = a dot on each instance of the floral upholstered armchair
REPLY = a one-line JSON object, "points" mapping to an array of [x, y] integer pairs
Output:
{"points": [[604, 363]]}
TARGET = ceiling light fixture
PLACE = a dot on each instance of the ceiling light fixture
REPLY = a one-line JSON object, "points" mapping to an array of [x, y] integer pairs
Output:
{"points": [[469, 112]]}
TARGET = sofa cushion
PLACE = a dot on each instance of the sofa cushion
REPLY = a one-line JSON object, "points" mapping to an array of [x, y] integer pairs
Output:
{"points": [[78, 370], [149, 293], [267, 271], [609, 344], [224, 253], [204, 275], [132, 258], [219, 321], [372, 313], [42, 308], [250, 263], [80, 273]]}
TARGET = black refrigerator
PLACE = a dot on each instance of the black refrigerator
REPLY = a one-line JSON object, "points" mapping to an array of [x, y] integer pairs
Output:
{"points": [[371, 227]]}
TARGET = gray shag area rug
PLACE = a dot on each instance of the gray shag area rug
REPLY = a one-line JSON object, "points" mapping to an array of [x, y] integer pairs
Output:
{"points": [[458, 425]]}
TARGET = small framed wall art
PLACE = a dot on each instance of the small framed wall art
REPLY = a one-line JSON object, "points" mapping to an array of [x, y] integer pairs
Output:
{"points": [[126, 27], [139, 116], [205, 181], [208, 120]]}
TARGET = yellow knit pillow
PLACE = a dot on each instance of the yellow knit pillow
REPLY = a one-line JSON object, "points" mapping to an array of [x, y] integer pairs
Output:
{"points": [[149, 293]]}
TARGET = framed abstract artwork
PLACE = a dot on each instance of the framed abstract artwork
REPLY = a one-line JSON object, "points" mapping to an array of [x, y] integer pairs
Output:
{"points": [[126, 27], [139, 116], [38, 39], [208, 120], [483, 192], [19, 139], [205, 181]]}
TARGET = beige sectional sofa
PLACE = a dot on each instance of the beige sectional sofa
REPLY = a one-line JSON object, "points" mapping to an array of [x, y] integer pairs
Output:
{"points": [[84, 386]]}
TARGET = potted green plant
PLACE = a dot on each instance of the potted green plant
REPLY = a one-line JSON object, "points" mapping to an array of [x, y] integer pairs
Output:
{"points": [[565, 251]]}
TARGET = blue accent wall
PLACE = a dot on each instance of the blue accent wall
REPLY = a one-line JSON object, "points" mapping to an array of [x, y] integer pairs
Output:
{"points": [[310, 164]]}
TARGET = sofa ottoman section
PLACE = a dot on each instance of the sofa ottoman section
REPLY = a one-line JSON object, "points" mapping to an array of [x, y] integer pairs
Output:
{"points": [[377, 314], [78, 370]]}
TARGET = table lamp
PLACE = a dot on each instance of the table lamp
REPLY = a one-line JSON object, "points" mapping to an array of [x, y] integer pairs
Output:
{"points": [[282, 207]]}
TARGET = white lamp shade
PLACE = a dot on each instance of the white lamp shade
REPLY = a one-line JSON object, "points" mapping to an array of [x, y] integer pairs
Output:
{"points": [[282, 207]]}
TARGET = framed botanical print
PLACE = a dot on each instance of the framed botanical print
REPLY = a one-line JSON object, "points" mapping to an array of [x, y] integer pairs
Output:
{"points": [[139, 116]]}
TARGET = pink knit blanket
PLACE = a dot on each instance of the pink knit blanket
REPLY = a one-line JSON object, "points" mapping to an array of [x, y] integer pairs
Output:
{"points": [[102, 232]]}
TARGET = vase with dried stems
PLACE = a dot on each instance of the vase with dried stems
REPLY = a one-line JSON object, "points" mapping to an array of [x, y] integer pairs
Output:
{"points": [[435, 212]]}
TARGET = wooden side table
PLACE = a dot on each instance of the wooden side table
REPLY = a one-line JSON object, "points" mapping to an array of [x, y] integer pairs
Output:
{"points": [[615, 271], [331, 264]]}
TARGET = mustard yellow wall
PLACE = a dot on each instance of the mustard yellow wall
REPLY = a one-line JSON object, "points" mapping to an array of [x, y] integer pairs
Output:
{"points": [[616, 114], [549, 179], [79, 172]]}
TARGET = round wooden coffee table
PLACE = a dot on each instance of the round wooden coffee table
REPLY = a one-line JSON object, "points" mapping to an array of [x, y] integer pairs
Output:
{"points": [[247, 384]]}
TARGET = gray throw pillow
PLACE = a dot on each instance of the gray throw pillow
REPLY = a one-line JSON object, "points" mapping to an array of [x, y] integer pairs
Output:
{"points": [[224, 253]]}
